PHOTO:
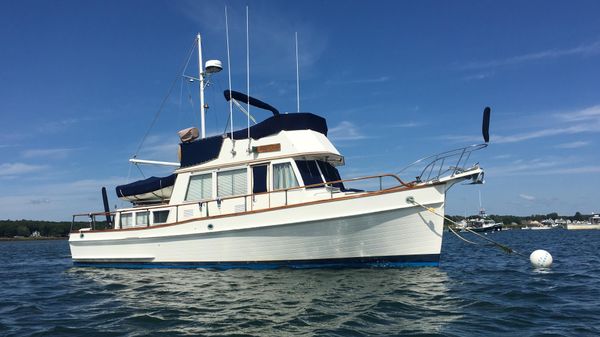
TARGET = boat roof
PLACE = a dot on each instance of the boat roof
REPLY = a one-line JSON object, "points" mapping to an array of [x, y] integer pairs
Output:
{"points": [[207, 149]]}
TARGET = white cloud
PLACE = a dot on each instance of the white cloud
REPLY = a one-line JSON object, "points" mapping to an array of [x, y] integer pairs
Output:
{"points": [[582, 50], [57, 126], [572, 170], [380, 79], [572, 145], [588, 114], [160, 147], [527, 197], [58, 153], [345, 131], [586, 120], [14, 169], [479, 76], [59, 200], [407, 125]]}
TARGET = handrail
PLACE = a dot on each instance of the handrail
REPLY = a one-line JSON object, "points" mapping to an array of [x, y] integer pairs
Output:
{"points": [[93, 215], [433, 161]]}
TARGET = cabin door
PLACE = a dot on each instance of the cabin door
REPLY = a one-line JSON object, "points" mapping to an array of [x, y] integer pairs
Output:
{"points": [[260, 186]]}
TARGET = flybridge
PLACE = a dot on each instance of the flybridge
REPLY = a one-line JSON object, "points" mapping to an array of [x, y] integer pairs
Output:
{"points": [[203, 150]]}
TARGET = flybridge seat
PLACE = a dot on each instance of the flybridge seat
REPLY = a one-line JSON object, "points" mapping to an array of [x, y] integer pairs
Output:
{"points": [[203, 150], [153, 189]]}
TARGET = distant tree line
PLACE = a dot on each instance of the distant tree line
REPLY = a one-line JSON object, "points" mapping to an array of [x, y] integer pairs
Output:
{"points": [[12, 228], [509, 219]]}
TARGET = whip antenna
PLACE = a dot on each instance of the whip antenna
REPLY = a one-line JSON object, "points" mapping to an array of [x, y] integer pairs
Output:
{"points": [[297, 77], [247, 74]]}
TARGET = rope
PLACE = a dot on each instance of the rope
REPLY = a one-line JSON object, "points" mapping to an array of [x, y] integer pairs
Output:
{"points": [[505, 248], [462, 238]]}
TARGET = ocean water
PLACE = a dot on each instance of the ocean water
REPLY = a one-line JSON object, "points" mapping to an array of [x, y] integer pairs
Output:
{"points": [[477, 290]]}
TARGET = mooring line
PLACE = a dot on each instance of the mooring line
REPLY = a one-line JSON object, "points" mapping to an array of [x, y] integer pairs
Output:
{"points": [[505, 248]]}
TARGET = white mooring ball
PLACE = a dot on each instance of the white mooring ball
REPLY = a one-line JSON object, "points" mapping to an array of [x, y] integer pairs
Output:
{"points": [[541, 259]]}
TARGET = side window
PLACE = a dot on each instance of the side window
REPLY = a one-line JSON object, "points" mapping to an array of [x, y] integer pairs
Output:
{"points": [[283, 176], [199, 187], [141, 219], [231, 183], [259, 178], [126, 220], [160, 216], [309, 172]]}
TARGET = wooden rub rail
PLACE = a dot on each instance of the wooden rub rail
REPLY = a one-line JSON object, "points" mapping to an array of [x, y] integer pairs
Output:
{"points": [[203, 205]]}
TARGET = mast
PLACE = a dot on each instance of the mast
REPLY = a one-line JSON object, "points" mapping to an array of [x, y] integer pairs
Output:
{"points": [[201, 77]]}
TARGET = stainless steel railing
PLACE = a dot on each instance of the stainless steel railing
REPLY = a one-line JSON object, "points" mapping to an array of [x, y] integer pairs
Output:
{"points": [[456, 161], [93, 223]]}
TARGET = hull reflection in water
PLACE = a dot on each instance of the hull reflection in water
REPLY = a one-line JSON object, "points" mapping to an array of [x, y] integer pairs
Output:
{"points": [[276, 302]]}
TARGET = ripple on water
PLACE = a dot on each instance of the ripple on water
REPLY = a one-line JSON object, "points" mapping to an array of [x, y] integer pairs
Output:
{"points": [[477, 290]]}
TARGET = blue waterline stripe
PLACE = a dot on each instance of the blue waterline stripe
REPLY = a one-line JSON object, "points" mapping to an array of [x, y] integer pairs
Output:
{"points": [[431, 260]]}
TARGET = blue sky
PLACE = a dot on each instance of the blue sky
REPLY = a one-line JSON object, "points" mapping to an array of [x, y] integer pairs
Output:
{"points": [[80, 82]]}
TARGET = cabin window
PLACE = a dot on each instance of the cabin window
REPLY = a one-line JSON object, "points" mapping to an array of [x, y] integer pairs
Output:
{"points": [[309, 172], [259, 178], [232, 182], [126, 220], [141, 219], [199, 187], [330, 173], [283, 176], [160, 216]]}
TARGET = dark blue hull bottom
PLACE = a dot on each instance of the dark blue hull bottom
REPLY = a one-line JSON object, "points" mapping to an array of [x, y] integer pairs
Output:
{"points": [[430, 260]]}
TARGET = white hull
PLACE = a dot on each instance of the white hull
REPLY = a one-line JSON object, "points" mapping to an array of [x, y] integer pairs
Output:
{"points": [[583, 226], [379, 227]]}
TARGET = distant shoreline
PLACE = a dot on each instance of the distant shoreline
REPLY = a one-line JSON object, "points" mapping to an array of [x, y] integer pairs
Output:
{"points": [[34, 239]]}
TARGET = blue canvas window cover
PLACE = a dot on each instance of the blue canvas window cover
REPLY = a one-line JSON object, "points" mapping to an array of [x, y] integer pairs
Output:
{"points": [[200, 151], [145, 186], [309, 172], [203, 150], [331, 174]]}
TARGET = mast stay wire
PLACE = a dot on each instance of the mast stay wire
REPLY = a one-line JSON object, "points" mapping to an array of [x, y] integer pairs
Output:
{"points": [[164, 100]]}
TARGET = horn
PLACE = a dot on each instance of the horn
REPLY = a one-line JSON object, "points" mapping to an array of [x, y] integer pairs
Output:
{"points": [[106, 207]]}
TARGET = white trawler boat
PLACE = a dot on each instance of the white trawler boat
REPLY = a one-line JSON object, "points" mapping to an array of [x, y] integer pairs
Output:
{"points": [[592, 223], [271, 195]]}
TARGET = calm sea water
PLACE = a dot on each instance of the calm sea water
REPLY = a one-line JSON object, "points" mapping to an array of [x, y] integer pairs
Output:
{"points": [[477, 290]]}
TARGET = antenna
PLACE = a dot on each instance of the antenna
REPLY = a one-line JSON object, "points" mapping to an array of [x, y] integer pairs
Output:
{"points": [[204, 71], [480, 207], [297, 76], [229, 73], [248, 75]]}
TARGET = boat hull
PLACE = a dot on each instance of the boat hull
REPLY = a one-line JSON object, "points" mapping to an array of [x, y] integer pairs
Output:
{"points": [[494, 228], [380, 230], [582, 226]]}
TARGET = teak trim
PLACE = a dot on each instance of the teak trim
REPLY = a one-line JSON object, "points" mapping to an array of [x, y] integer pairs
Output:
{"points": [[267, 148]]}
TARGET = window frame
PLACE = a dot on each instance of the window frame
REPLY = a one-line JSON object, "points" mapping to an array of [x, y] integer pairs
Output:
{"points": [[291, 162], [155, 212], [212, 186], [229, 169], [128, 215], [267, 165]]}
